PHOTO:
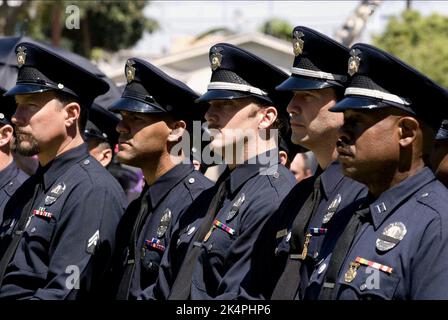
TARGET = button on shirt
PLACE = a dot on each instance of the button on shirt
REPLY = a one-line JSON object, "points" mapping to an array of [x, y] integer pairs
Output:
{"points": [[168, 198], [406, 238], [70, 232], [223, 269]]}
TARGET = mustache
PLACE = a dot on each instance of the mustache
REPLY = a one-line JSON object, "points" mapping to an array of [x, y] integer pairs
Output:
{"points": [[342, 143]]}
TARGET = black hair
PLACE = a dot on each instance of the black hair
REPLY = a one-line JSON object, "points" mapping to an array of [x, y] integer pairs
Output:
{"points": [[67, 98]]}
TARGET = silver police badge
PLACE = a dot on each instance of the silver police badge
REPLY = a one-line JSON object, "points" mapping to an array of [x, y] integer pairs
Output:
{"points": [[235, 207], [353, 62], [164, 223], [21, 56], [297, 43], [391, 236], [130, 70], [332, 208], [55, 193], [216, 58]]}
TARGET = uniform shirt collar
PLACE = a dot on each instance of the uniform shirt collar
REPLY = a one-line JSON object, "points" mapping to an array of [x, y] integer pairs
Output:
{"points": [[256, 165], [167, 182], [58, 166], [331, 178], [8, 173], [390, 199]]}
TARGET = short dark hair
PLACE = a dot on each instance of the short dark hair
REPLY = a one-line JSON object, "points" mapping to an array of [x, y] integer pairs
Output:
{"points": [[67, 98]]}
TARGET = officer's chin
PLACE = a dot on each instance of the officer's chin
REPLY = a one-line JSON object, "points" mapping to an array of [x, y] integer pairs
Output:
{"points": [[124, 158], [348, 168]]}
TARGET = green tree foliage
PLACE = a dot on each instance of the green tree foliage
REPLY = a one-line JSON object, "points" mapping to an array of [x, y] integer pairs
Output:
{"points": [[420, 41], [104, 24], [278, 28]]}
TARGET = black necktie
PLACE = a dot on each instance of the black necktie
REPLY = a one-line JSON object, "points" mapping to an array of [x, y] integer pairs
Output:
{"points": [[126, 280], [288, 283], [20, 226], [341, 250], [182, 285]]}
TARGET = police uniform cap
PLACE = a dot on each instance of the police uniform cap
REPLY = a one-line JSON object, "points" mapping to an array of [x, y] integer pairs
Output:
{"points": [[320, 62], [150, 90], [442, 133], [379, 80], [7, 108], [237, 73], [101, 125], [42, 68]]}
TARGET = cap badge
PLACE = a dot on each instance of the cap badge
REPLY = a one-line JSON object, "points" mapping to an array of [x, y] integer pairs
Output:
{"points": [[297, 42], [216, 58], [21, 56], [354, 61], [130, 70]]}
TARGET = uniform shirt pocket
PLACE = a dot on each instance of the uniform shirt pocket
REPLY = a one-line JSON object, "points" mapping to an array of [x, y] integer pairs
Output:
{"points": [[368, 284], [32, 253]]}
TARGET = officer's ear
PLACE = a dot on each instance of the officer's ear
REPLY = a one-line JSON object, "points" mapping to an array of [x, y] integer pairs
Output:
{"points": [[105, 157], [6, 134], [73, 112], [269, 115], [408, 128], [177, 128], [283, 157]]}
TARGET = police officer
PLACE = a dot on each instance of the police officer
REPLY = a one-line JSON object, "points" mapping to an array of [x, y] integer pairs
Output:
{"points": [[156, 111], [217, 234], [11, 177], [320, 202], [100, 134], [439, 156], [395, 244], [58, 230]]}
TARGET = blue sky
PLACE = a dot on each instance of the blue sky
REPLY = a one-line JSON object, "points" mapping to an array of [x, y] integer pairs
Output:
{"points": [[193, 17]]}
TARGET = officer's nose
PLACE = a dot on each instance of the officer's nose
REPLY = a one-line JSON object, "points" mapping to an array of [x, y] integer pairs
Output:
{"points": [[293, 107], [211, 116], [345, 135], [18, 118], [122, 127]]}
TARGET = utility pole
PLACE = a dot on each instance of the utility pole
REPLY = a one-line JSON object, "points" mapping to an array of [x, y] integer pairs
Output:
{"points": [[352, 28], [408, 4]]}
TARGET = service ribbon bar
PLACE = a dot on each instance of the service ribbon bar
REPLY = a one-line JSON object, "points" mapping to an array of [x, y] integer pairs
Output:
{"points": [[374, 265]]}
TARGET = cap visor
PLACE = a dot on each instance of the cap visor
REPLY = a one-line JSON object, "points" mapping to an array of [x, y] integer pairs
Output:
{"points": [[132, 105], [222, 95], [357, 103], [22, 88], [294, 83]]}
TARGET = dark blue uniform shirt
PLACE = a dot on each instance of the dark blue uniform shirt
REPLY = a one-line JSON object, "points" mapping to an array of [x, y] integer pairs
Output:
{"points": [[11, 178], [223, 270], [338, 196], [407, 239], [168, 198], [70, 235]]}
